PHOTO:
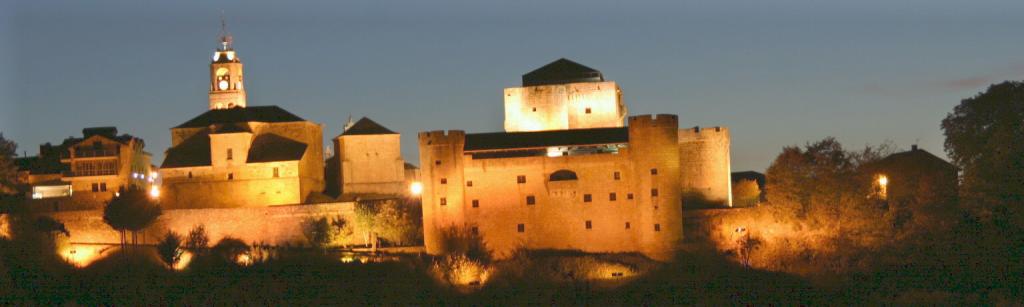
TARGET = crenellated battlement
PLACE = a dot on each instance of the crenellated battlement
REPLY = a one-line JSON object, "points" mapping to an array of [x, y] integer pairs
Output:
{"points": [[442, 137], [703, 132], [659, 120]]}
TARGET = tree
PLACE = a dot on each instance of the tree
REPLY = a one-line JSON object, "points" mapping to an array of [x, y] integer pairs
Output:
{"points": [[169, 249], [132, 211], [746, 193], [50, 227], [231, 250], [320, 232], [8, 171], [198, 241], [983, 138], [389, 220]]}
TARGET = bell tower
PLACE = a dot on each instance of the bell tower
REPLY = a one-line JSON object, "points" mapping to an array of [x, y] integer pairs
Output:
{"points": [[227, 88]]}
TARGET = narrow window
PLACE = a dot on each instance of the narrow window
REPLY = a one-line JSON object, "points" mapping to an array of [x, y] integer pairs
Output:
{"points": [[521, 228], [437, 162], [520, 179], [657, 227], [654, 192], [277, 173], [535, 109], [444, 180], [588, 110], [612, 196], [629, 195], [476, 203], [475, 230], [230, 154], [231, 176], [469, 183], [189, 175], [530, 200], [587, 198], [654, 171], [95, 187], [444, 201], [627, 225], [590, 225], [103, 187], [618, 176]]}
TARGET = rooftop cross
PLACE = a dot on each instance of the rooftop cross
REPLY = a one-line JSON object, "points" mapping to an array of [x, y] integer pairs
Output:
{"points": [[225, 37]]}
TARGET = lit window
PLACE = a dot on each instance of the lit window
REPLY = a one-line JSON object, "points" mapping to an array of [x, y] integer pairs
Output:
{"points": [[520, 179], [530, 200], [444, 201], [277, 173], [612, 196], [476, 203], [521, 228], [587, 198], [590, 225], [230, 154]]}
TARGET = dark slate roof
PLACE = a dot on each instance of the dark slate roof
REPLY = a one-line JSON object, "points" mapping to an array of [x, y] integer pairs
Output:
{"points": [[561, 71], [916, 156], [271, 147], [268, 114], [195, 151], [367, 126], [538, 139]]}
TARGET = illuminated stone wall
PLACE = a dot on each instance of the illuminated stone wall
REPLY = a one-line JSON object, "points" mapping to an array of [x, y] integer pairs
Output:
{"points": [[558, 218], [564, 106], [371, 164], [704, 159], [275, 225]]}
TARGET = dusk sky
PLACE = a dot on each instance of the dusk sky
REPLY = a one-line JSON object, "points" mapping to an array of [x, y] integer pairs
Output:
{"points": [[776, 72]]}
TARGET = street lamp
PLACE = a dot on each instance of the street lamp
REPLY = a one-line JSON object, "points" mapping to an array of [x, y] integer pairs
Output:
{"points": [[416, 188]]}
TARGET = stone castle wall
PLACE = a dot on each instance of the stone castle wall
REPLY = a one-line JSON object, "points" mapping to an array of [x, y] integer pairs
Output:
{"points": [[705, 162], [276, 225], [558, 217], [564, 106]]}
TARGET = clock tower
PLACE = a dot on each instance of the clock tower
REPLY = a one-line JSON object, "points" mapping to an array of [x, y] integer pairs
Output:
{"points": [[227, 88]]}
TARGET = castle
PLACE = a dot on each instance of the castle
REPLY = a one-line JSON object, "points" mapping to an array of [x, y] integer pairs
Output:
{"points": [[568, 173]]}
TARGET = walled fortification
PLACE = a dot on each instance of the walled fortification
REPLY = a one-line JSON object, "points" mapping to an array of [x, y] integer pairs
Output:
{"points": [[441, 157], [275, 225], [653, 149], [704, 160]]}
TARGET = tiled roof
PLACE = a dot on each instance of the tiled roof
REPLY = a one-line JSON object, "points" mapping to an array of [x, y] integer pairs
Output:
{"points": [[267, 114], [272, 148], [561, 71], [366, 126], [195, 151], [540, 139]]}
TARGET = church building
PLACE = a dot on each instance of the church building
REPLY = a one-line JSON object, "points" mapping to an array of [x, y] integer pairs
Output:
{"points": [[236, 155], [569, 173]]}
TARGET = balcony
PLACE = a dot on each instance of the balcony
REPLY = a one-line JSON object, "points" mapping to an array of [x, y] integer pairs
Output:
{"points": [[86, 173]]}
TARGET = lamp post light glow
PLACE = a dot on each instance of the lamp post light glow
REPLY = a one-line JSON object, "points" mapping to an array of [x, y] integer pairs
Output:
{"points": [[883, 186], [416, 188], [154, 192]]}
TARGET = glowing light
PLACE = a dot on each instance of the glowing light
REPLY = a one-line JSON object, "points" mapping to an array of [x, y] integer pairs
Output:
{"points": [[554, 152], [153, 175], [244, 259], [154, 192], [416, 188], [186, 258], [883, 180], [37, 195]]}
